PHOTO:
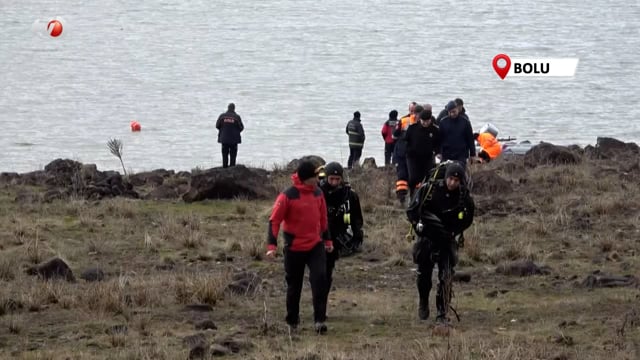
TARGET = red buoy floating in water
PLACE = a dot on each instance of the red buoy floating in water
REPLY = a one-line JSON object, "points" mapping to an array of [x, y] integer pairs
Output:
{"points": [[135, 126], [54, 27]]}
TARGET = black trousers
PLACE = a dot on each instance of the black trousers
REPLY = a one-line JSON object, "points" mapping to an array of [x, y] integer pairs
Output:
{"points": [[229, 154], [388, 153], [418, 168], [294, 265], [332, 257], [354, 156], [427, 254]]}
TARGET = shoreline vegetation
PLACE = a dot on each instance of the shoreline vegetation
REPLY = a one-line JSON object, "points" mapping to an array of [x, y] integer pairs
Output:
{"points": [[169, 265]]}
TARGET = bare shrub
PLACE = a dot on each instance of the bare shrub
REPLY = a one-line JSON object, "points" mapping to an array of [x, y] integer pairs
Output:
{"points": [[8, 268], [120, 207], [201, 287]]}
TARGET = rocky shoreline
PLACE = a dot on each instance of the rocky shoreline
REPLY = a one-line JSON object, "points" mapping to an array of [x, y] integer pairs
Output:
{"points": [[63, 178]]}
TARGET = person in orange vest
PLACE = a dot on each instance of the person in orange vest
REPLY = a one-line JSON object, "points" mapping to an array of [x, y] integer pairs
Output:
{"points": [[491, 147], [402, 173]]}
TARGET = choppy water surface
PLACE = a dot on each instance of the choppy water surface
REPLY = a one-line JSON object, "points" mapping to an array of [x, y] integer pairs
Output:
{"points": [[297, 70]]}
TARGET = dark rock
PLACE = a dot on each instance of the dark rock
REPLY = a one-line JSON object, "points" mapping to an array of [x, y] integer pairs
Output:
{"points": [[205, 325], [219, 350], [92, 274], [199, 351], [33, 178], [609, 148], [462, 277], [235, 344], [369, 163], [11, 178], [55, 268], [293, 164], [228, 183], [245, 283], [549, 154], [488, 182], [162, 192], [151, 178], [599, 280], [62, 172], [521, 268], [199, 307]]}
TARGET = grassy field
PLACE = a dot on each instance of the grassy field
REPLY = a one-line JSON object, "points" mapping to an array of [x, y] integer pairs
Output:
{"points": [[160, 257]]}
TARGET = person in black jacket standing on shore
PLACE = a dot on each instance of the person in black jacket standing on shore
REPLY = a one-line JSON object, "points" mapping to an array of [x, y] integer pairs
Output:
{"points": [[356, 140], [229, 127], [423, 142]]}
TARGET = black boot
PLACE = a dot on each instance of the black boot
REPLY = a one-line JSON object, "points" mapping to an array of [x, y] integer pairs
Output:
{"points": [[441, 307], [423, 309]]}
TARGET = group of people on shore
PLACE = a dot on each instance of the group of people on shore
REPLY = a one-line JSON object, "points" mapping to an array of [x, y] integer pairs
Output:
{"points": [[321, 218]]}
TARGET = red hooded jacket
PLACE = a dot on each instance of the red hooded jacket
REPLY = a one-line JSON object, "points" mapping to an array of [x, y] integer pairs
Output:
{"points": [[303, 213]]}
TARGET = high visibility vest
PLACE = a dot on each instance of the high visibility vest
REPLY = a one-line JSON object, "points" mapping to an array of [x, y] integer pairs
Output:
{"points": [[490, 145]]}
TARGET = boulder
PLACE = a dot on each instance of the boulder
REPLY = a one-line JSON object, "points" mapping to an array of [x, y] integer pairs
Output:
{"points": [[488, 182], [369, 163], [92, 274], [62, 172], [151, 178], [228, 183], [11, 178], [55, 268], [549, 154], [521, 268], [293, 164], [609, 148]]}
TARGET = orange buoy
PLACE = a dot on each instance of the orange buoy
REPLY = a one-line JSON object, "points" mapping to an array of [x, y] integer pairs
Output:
{"points": [[135, 126], [54, 27]]}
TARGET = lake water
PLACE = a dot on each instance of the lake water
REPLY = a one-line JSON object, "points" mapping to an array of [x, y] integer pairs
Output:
{"points": [[297, 70]]}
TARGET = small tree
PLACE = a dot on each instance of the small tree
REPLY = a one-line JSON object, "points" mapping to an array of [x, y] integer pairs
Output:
{"points": [[115, 146]]}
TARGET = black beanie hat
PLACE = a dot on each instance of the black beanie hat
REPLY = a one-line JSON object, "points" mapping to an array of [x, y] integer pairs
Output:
{"points": [[425, 115], [393, 114], [456, 170], [334, 168], [451, 105], [356, 115], [306, 170]]}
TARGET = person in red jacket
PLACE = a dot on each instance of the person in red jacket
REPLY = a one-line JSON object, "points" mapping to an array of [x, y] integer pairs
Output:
{"points": [[387, 135], [302, 211]]}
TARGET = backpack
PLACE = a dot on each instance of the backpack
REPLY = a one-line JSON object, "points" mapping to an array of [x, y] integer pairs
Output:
{"points": [[348, 241], [425, 191]]}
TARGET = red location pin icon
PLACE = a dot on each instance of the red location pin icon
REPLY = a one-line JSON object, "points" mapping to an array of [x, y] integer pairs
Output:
{"points": [[501, 71]]}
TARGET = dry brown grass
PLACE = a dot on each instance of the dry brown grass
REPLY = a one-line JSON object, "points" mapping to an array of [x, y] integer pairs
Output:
{"points": [[160, 256], [201, 287]]}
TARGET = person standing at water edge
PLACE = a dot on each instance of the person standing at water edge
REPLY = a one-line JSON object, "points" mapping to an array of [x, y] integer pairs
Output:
{"points": [[229, 127], [387, 135], [356, 140], [302, 211]]}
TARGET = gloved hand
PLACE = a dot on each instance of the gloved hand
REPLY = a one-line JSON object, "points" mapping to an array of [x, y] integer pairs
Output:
{"points": [[459, 239], [328, 246]]}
